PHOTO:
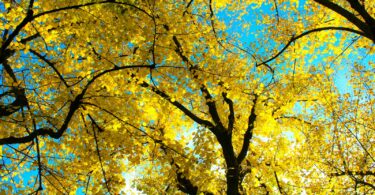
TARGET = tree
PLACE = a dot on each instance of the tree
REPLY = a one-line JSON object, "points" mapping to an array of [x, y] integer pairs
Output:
{"points": [[92, 89]]}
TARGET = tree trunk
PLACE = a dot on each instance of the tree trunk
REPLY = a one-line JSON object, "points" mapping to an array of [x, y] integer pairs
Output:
{"points": [[232, 174], [232, 180]]}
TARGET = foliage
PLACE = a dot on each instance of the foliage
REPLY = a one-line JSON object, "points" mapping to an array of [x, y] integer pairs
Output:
{"points": [[199, 96]]}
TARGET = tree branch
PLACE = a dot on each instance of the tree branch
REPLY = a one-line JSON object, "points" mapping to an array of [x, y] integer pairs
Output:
{"points": [[209, 101], [343, 12], [277, 11], [294, 118], [213, 26], [184, 184], [278, 183], [360, 173], [231, 119], [89, 4], [249, 133], [19, 102], [362, 11], [178, 105], [98, 151], [138, 129], [50, 64], [295, 38], [73, 107], [24, 22]]}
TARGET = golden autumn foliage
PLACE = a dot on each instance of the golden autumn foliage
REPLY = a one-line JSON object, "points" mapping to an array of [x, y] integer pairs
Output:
{"points": [[191, 97]]}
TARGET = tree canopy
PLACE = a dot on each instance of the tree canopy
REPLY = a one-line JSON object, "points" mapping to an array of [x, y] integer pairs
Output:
{"points": [[193, 96]]}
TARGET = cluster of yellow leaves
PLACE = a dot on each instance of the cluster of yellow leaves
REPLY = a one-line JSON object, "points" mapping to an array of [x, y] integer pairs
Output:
{"points": [[305, 132]]}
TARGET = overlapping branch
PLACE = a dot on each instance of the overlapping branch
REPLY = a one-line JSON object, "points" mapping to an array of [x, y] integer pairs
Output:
{"points": [[295, 38], [95, 124], [178, 105], [74, 106], [209, 100], [367, 28]]}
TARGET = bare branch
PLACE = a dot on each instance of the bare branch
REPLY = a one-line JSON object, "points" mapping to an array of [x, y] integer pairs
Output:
{"points": [[277, 11], [50, 64], [278, 183], [94, 124]]}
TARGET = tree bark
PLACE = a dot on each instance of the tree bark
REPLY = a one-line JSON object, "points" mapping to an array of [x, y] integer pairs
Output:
{"points": [[232, 174]]}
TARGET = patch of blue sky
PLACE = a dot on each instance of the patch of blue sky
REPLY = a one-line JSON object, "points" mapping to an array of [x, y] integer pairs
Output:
{"points": [[24, 73], [247, 39], [2, 6], [12, 162], [342, 71], [26, 177]]}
